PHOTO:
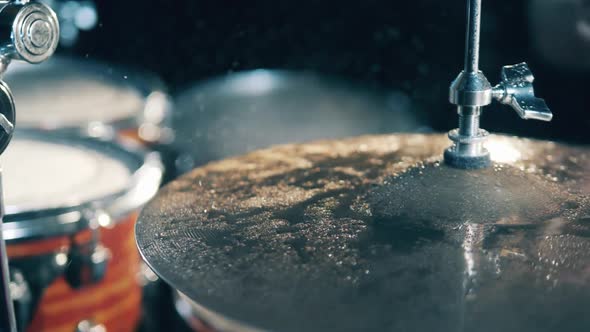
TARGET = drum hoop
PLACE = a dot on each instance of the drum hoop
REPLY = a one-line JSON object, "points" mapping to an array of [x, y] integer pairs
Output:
{"points": [[147, 171], [145, 83]]}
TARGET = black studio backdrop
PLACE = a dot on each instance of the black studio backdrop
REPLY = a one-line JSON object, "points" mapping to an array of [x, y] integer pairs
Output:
{"points": [[415, 47]]}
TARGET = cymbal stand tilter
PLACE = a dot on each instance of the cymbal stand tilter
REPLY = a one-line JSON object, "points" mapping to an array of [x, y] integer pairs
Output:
{"points": [[471, 91], [29, 31]]}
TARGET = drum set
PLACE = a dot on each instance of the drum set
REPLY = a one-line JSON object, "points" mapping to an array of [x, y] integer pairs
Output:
{"points": [[272, 200]]}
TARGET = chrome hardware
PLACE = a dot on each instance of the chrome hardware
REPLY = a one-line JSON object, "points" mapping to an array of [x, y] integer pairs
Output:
{"points": [[29, 278], [19, 289], [471, 90], [87, 263], [23, 298], [30, 31], [146, 275], [516, 90], [90, 326]]}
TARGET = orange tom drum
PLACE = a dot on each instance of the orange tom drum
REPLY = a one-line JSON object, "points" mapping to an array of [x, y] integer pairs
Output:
{"points": [[93, 99], [71, 205]]}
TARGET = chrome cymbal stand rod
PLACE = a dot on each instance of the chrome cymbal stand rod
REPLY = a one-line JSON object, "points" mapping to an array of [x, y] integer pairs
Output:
{"points": [[7, 318], [29, 31]]}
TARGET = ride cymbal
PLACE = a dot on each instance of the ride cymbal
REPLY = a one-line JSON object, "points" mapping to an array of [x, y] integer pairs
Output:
{"points": [[376, 234]]}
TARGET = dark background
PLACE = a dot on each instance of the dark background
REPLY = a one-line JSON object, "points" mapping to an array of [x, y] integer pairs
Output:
{"points": [[414, 46]]}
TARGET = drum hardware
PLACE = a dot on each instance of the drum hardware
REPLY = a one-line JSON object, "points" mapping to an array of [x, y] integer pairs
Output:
{"points": [[471, 91], [29, 31], [146, 276], [82, 265], [88, 265], [78, 248], [21, 296], [89, 326], [87, 262], [29, 278]]}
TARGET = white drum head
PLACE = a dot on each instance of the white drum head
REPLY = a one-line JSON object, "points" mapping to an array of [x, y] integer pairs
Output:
{"points": [[44, 174], [72, 93]]}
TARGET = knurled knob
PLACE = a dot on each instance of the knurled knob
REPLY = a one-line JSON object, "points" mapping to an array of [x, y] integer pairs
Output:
{"points": [[30, 31]]}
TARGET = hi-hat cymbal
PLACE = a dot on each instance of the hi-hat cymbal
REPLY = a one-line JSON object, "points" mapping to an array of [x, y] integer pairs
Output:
{"points": [[375, 234]]}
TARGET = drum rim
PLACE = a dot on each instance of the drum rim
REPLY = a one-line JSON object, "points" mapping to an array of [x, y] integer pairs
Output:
{"points": [[144, 82], [146, 174]]}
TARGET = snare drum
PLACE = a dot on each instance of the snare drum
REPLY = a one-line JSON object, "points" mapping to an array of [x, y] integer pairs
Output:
{"points": [[71, 205], [95, 99]]}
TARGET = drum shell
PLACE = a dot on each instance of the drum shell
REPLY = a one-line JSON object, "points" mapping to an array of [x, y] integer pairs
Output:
{"points": [[114, 302], [54, 244]]}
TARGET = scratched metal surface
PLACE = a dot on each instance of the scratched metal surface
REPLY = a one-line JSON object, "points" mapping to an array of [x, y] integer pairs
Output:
{"points": [[373, 234]]}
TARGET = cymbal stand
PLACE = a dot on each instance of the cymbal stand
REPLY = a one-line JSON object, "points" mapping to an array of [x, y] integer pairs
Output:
{"points": [[29, 31]]}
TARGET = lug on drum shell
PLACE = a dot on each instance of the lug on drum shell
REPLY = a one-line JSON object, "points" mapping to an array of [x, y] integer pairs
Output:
{"points": [[71, 206], [374, 234]]}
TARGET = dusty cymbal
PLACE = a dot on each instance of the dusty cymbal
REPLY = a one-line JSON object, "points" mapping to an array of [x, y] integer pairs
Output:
{"points": [[374, 234]]}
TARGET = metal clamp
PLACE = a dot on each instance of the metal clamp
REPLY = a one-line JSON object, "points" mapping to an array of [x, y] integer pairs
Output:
{"points": [[471, 91], [28, 31], [90, 326], [516, 90], [23, 298], [87, 263]]}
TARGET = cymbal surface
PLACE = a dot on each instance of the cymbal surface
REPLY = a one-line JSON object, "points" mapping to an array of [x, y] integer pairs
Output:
{"points": [[373, 234]]}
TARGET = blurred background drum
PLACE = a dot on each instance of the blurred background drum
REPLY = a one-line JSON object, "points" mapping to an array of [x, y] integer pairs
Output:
{"points": [[71, 205], [92, 99], [243, 111]]}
